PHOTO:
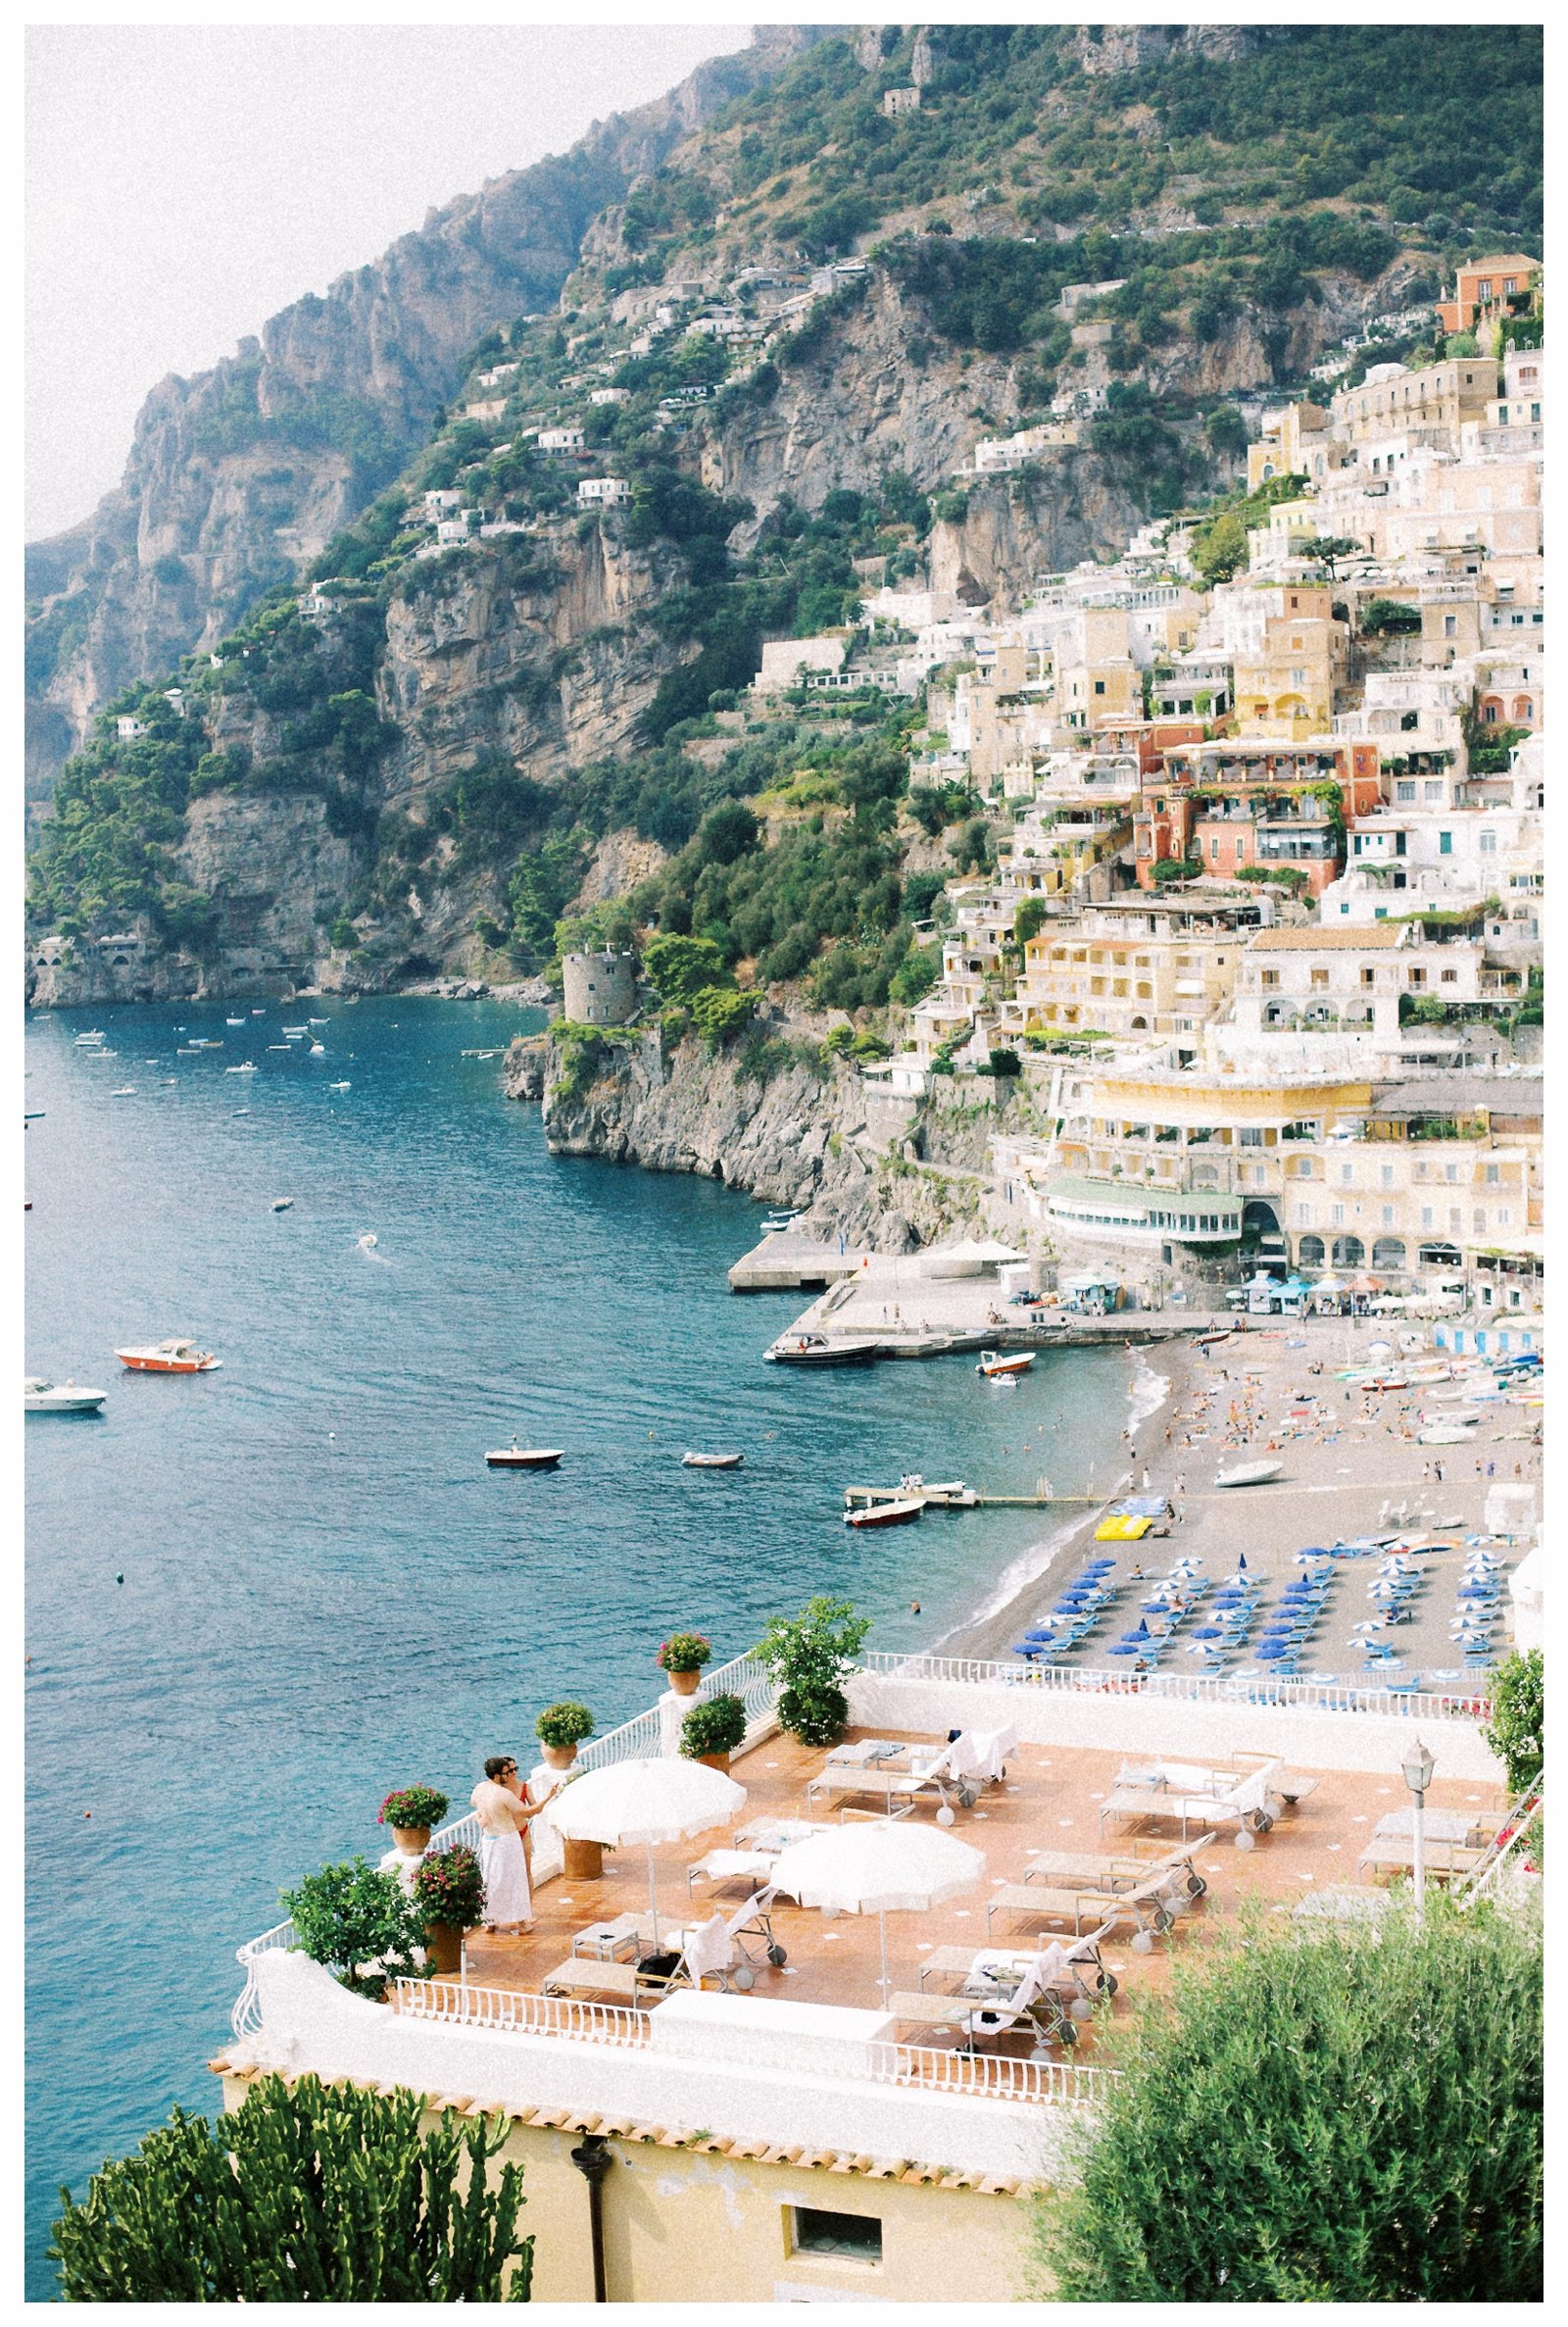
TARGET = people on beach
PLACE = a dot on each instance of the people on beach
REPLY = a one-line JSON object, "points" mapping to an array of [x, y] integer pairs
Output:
{"points": [[503, 1820]]}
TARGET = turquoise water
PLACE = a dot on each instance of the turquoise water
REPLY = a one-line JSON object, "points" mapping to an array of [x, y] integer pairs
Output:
{"points": [[325, 1592]]}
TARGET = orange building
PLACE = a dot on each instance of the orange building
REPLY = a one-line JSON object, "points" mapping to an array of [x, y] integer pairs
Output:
{"points": [[1489, 288], [1255, 801]]}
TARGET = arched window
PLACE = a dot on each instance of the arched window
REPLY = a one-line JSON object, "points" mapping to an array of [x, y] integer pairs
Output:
{"points": [[1389, 1253], [1349, 1252], [1309, 1252], [1523, 707], [1491, 712]]}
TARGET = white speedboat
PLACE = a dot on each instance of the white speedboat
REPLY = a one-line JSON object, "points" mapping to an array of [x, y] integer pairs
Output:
{"points": [[1248, 1474], [248, 1067], [340, 1086], [282, 1203], [316, 1049], [886, 1514], [60, 1398], [93, 1035], [236, 1021], [169, 1356], [712, 1461], [292, 1031], [997, 1367], [516, 1458]]}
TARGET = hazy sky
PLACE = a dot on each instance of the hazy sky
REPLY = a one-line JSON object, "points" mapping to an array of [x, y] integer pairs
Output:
{"points": [[185, 182]]}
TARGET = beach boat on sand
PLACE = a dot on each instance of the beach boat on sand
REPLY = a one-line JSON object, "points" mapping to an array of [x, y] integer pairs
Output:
{"points": [[1248, 1474], [997, 1369], [169, 1356], [59, 1398], [1457, 1432], [815, 1349], [712, 1461], [886, 1514], [516, 1458]]}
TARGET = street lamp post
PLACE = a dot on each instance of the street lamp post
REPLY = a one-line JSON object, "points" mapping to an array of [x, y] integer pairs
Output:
{"points": [[1417, 1763]]}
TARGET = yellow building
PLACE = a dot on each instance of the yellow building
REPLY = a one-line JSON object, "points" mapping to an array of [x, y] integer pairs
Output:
{"points": [[1292, 686], [1293, 442], [1133, 970], [1441, 397]]}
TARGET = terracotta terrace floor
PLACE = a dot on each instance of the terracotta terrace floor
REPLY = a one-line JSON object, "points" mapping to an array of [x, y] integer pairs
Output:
{"points": [[1049, 1799]]}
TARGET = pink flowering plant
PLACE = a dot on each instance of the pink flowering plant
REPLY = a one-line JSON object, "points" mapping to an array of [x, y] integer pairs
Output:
{"points": [[684, 1651], [413, 1805], [448, 1888]]}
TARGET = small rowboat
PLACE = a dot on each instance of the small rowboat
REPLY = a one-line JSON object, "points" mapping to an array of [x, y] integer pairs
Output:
{"points": [[516, 1458], [997, 1368], [170, 1357], [712, 1461], [886, 1514], [1248, 1474]]}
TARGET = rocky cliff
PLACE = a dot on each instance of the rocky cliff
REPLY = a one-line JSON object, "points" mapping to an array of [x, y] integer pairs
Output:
{"points": [[889, 1174], [238, 478]]}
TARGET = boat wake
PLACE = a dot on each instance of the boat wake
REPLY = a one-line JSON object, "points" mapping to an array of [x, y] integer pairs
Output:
{"points": [[367, 1244]]}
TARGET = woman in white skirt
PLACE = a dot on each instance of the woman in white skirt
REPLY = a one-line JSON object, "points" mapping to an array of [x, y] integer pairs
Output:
{"points": [[508, 1904]]}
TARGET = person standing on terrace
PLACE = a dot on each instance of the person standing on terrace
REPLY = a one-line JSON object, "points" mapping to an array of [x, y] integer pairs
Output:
{"points": [[508, 1900]]}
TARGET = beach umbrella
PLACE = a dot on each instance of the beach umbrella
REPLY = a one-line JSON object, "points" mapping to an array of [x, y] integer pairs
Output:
{"points": [[878, 1870], [1210, 1632], [1241, 1562], [644, 1801]]}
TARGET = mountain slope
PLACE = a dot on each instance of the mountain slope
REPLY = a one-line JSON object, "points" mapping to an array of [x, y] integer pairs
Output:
{"points": [[450, 750]]}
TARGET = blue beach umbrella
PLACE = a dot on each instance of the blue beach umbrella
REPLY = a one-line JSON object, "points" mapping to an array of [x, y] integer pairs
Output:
{"points": [[1208, 1632]]}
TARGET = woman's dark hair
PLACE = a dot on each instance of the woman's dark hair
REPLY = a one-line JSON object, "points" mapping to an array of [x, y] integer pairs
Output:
{"points": [[498, 1762]]}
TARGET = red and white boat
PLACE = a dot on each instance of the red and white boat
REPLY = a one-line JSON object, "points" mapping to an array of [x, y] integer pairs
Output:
{"points": [[997, 1369], [170, 1357], [886, 1514]]}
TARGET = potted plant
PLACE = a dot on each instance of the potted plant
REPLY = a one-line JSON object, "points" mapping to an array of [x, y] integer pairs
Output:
{"points": [[682, 1657], [358, 1922], [711, 1731], [411, 1811], [810, 1656], [449, 1900], [561, 1729]]}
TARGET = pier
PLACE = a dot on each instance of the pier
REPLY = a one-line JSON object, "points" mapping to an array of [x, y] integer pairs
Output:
{"points": [[868, 1497]]}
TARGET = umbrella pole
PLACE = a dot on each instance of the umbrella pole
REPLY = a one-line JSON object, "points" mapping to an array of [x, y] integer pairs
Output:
{"points": [[882, 1918], [652, 1891]]}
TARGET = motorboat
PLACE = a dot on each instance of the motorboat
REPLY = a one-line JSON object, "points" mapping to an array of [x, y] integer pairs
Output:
{"points": [[248, 1067], [317, 1049], [897, 1513], [126, 1091], [93, 1035], [340, 1086], [1248, 1474], [997, 1367], [712, 1461], [293, 1031], [60, 1398], [815, 1349], [516, 1458], [282, 1204], [236, 1021], [953, 1493], [319, 1021], [169, 1356]]}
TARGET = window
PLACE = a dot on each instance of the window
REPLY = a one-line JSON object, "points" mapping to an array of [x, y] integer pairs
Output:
{"points": [[1445, 844], [1303, 1216], [1404, 791], [1494, 1175], [1450, 977], [1488, 844], [1433, 791], [1346, 1176], [1250, 1136], [1336, 1215], [1451, 626], [1388, 1215], [851, 2237], [1386, 1175], [1426, 1216]]}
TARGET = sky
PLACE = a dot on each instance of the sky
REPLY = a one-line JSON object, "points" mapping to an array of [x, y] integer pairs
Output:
{"points": [[184, 183]]}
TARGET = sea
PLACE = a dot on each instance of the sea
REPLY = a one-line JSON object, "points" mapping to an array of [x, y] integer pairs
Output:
{"points": [[259, 1597]]}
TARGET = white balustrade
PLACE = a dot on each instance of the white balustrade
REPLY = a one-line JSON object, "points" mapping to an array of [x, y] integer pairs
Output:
{"points": [[525, 2014], [992, 2074], [1180, 1687]]}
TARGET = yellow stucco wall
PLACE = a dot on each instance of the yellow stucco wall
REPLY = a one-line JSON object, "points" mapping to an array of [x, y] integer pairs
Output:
{"points": [[682, 2226]]}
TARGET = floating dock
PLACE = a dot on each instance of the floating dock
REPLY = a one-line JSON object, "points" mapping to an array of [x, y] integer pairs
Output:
{"points": [[867, 1498]]}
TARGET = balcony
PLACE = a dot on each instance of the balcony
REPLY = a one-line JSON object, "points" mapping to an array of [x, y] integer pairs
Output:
{"points": [[833, 2069]]}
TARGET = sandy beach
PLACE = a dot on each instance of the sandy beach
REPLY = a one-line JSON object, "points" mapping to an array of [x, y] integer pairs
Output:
{"points": [[1346, 1458]]}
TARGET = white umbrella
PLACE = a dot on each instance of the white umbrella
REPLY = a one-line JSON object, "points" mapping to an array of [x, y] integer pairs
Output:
{"points": [[646, 1802], [872, 1870]]}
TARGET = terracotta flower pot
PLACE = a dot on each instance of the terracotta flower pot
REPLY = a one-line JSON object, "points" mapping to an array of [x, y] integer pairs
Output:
{"points": [[444, 1942], [684, 1684], [559, 1757], [584, 1862], [412, 1841], [714, 1761]]}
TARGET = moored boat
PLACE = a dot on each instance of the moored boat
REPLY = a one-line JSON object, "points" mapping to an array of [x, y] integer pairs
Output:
{"points": [[997, 1367], [59, 1398], [1248, 1474], [815, 1349], [516, 1458], [886, 1514], [282, 1204], [712, 1461], [169, 1356]]}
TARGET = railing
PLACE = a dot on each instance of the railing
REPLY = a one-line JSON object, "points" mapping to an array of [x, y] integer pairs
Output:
{"points": [[1512, 1835], [511, 2008], [991, 2075], [246, 2018], [1181, 1688]]}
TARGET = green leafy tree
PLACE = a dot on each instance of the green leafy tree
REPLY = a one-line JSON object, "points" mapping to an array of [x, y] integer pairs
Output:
{"points": [[310, 2195], [1330, 551], [1319, 2115], [809, 1655], [719, 1012], [358, 1922], [1029, 920], [681, 967], [1518, 1731]]}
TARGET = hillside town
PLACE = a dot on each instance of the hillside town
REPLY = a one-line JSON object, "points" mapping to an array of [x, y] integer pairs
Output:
{"points": [[1264, 931]]}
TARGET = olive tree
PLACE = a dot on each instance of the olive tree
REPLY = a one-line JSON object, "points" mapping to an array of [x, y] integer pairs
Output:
{"points": [[312, 2193], [1327, 2114]]}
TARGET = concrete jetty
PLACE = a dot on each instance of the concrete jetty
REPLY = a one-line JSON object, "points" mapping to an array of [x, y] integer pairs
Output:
{"points": [[784, 1263]]}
